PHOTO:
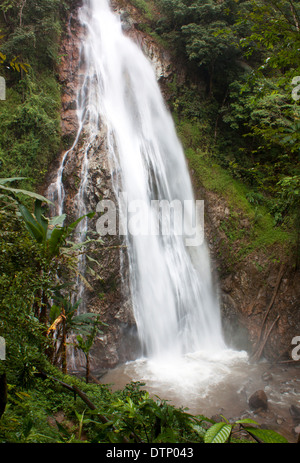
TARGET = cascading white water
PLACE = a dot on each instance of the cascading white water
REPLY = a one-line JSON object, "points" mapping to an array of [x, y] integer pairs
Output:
{"points": [[175, 307]]}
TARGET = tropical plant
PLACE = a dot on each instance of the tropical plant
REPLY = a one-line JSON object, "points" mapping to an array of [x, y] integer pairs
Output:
{"points": [[86, 338], [51, 256], [222, 432], [140, 419], [66, 323], [13, 193], [61, 317], [21, 280], [50, 233], [14, 63]]}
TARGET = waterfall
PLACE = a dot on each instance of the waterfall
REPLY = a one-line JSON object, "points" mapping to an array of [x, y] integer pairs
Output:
{"points": [[175, 305]]}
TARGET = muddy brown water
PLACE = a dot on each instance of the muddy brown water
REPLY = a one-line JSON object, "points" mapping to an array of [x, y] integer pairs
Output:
{"points": [[216, 386]]}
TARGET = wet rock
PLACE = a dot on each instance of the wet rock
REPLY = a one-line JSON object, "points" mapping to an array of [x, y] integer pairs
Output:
{"points": [[295, 412], [267, 376], [69, 122], [227, 284], [218, 418], [126, 21], [258, 400]]}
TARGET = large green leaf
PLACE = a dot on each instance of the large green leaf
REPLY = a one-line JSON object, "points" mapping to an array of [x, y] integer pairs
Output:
{"points": [[86, 318], [57, 220], [267, 435], [9, 180], [39, 215], [55, 312], [73, 225], [55, 241], [34, 228], [246, 421], [31, 194], [55, 223], [218, 433], [58, 234]]}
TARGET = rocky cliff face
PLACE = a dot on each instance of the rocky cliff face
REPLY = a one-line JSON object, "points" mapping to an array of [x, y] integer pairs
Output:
{"points": [[245, 292], [107, 290], [260, 294]]}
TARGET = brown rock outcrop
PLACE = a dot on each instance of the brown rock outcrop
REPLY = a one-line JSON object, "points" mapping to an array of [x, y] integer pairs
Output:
{"points": [[258, 401], [259, 294], [106, 290]]}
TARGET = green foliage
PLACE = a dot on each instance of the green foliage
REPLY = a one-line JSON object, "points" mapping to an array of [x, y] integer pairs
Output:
{"points": [[274, 29], [142, 419], [49, 413], [33, 25], [221, 432], [29, 278], [14, 63], [262, 108], [30, 115], [218, 433], [247, 127], [203, 33], [146, 7], [20, 280], [10, 191], [88, 325], [34, 253], [265, 115], [30, 135], [50, 233], [236, 105], [245, 206]]}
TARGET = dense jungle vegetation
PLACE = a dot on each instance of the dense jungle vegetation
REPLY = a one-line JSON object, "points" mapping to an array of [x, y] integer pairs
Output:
{"points": [[237, 113]]}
